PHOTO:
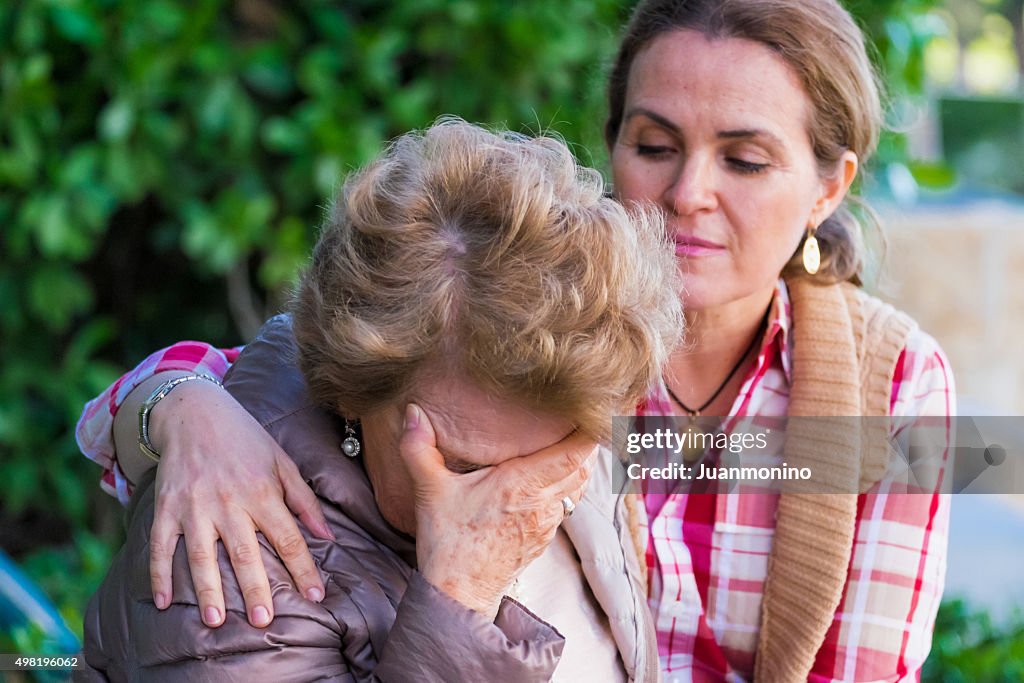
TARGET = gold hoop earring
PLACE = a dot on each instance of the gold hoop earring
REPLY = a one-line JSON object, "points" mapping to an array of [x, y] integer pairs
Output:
{"points": [[812, 252]]}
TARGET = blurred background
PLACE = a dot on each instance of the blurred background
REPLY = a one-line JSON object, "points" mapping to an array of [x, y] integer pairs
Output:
{"points": [[164, 166]]}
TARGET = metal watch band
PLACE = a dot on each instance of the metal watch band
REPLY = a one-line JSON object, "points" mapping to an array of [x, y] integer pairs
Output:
{"points": [[159, 394]]}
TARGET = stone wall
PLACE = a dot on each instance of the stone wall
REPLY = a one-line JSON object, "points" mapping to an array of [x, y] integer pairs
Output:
{"points": [[958, 269]]}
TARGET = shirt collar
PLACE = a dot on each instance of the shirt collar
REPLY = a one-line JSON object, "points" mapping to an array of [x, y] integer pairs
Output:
{"points": [[777, 339]]}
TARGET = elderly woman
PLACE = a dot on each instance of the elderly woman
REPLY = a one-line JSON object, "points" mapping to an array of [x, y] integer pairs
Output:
{"points": [[474, 313], [746, 122]]}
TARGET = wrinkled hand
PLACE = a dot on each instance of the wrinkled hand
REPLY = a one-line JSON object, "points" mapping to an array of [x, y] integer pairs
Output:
{"points": [[222, 476], [476, 532]]}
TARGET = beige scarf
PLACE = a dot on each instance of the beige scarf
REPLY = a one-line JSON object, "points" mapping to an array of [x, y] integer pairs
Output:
{"points": [[845, 348]]}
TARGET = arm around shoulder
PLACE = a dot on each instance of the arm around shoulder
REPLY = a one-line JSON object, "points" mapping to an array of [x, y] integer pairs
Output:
{"points": [[128, 638], [356, 633]]}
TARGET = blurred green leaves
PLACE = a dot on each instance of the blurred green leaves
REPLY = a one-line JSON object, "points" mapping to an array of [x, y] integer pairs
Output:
{"points": [[969, 648], [149, 149]]}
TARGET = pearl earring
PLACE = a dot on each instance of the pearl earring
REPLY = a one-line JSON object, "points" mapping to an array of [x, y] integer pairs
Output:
{"points": [[350, 445]]}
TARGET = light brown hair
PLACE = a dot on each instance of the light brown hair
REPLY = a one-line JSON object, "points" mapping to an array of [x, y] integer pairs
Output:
{"points": [[825, 48], [493, 255]]}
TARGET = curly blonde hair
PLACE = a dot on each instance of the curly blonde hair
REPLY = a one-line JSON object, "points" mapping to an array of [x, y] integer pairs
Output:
{"points": [[493, 255]]}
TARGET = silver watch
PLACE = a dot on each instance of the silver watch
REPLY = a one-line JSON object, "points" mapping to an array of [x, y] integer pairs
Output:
{"points": [[158, 394]]}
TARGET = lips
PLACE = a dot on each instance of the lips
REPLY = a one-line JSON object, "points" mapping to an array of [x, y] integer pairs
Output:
{"points": [[688, 245]]}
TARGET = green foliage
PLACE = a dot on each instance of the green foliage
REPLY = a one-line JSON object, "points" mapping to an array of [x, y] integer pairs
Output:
{"points": [[87, 558], [150, 152], [984, 137], [969, 648], [899, 31]]}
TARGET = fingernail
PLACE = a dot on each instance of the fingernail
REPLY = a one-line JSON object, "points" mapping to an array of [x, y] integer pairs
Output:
{"points": [[211, 616], [325, 531], [260, 616], [314, 595], [160, 600], [412, 416]]}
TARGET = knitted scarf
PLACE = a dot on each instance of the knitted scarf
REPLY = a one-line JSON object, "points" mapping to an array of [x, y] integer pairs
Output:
{"points": [[845, 348]]}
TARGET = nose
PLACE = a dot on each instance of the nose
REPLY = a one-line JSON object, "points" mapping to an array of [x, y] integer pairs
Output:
{"points": [[692, 190]]}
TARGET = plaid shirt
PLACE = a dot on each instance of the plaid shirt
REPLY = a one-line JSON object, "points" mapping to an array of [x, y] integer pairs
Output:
{"points": [[708, 553]]}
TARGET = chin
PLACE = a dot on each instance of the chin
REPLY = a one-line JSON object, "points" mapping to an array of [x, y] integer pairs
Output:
{"points": [[700, 292], [711, 288]]}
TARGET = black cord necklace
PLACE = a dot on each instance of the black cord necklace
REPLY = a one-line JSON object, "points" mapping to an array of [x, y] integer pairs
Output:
{"points": [[753, 342]]}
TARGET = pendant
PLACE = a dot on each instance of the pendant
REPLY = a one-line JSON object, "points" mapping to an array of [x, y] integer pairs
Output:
{"points": [[693, 448]]}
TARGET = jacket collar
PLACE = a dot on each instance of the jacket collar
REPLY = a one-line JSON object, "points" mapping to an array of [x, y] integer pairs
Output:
{"points": [[268, 361]]}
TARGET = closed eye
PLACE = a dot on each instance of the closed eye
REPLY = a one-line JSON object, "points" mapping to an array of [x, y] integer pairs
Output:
{"points": [[652, 150], [746, 166]]}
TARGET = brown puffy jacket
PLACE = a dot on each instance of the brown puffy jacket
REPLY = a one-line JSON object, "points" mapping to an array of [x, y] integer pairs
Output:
{"points": [[380, 620]]}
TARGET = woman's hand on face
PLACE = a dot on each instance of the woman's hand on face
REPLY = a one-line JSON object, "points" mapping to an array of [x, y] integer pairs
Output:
{"points": [[476, 532], [222, 476]]}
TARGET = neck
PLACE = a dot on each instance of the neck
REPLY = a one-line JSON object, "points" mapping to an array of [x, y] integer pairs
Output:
{"points": [[715, 340], [711, 331]]}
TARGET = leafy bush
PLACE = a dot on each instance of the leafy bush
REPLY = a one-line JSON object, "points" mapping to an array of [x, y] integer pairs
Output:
{"points": [[969, 648], [164, 166]]}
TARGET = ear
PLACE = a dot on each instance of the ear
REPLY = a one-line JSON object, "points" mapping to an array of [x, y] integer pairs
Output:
{"points": [[834, 188]]}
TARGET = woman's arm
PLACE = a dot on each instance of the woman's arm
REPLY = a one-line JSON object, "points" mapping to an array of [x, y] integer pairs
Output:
{"points": [[220, 475], [130, 459], [95, 429]]}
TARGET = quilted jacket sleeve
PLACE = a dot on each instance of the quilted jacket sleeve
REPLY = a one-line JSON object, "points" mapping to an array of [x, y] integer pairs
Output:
{"points": [[367, 628]]}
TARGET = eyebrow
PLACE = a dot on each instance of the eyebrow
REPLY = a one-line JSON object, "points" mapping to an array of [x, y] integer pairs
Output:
{"points": [[739, 133], [653, 116], [748, 133]]}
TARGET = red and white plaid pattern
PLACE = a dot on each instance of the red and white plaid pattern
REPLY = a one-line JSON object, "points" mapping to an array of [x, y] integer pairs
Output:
{"points": [[708, 553]]}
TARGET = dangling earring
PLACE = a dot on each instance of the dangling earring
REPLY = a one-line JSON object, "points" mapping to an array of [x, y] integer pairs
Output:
{"points": [[350, 445], [812, 253]]}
